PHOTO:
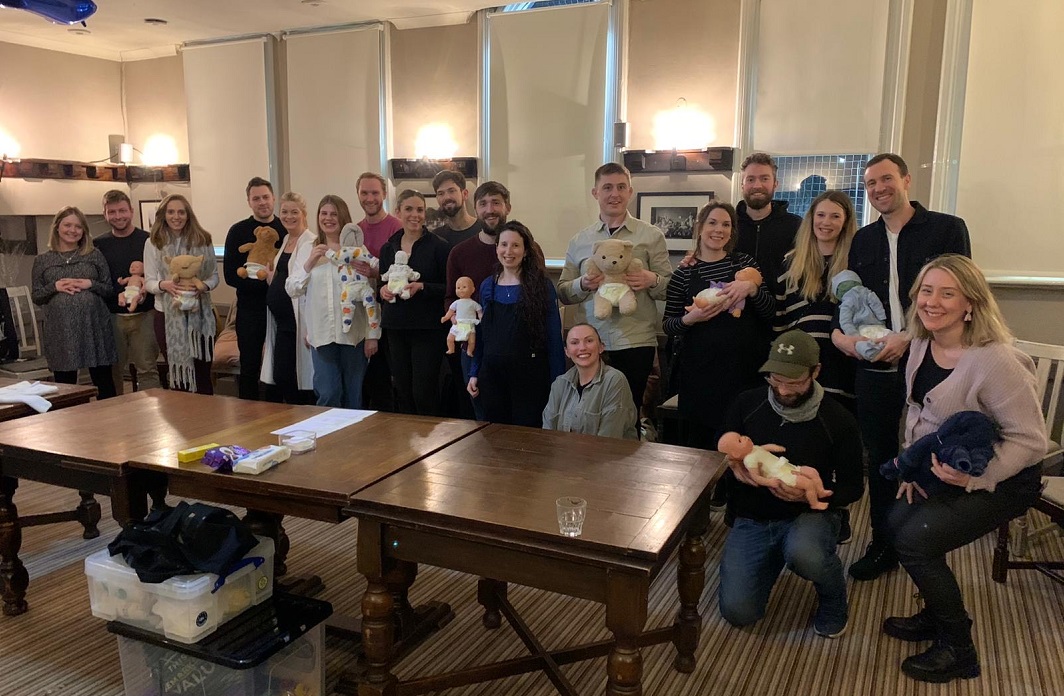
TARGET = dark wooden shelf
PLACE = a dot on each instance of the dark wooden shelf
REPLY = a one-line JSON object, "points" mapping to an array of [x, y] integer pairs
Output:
{"points": [[86, 171], [714, 159]]}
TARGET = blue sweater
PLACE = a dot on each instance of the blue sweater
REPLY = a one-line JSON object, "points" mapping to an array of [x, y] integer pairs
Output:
{"points": [[510, 294]]}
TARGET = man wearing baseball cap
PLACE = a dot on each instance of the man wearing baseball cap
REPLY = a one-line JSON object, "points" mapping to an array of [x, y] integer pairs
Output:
{"points": [[773, 526]]}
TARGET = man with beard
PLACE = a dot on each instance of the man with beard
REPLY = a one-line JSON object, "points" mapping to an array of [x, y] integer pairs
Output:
{"points": [[475, 258], [250, 292], [766, 229], [888, 255], [134, 332], [451, 197], [773, 526], [631, 340]]}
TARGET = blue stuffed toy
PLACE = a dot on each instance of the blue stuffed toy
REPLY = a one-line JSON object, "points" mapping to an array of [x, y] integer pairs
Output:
{"points": [[964, 441]]}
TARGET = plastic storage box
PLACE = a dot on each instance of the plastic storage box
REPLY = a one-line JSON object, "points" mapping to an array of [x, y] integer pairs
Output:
{"points": [[184, 608], [273, 649]]}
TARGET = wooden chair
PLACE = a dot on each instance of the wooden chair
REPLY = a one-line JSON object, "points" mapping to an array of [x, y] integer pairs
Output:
{"points": [[1049, 373], [31, 364]]}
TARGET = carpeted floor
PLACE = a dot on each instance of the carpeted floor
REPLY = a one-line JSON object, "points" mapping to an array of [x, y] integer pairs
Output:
{"points": [[59, 649]]}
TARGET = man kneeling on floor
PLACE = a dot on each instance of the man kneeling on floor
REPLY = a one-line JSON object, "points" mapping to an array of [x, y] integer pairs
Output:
{"points": [[772, 526]]}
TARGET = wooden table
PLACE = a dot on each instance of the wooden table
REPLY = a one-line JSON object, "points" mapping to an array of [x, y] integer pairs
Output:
{"points": [[486, 506], [68, 395]]}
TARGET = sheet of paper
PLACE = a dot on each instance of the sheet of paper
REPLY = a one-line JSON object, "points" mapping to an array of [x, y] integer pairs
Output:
{"points": [[329, 422]]}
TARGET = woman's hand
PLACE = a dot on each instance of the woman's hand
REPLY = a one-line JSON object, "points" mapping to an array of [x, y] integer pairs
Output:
{"points": [[370, 348], [386, 294], [696, 314], [737, 290], [947, 474], [413, 288], [316, 254], [66, 285], [170, 287], [472, 387], [906, 488]]}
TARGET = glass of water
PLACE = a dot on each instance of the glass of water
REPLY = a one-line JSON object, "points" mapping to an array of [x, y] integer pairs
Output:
{"points": [[571, 513]]}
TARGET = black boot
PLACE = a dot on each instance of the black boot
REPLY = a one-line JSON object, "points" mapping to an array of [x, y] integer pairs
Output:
{"points": [[913, 629], [879, 558], [951, 656]]}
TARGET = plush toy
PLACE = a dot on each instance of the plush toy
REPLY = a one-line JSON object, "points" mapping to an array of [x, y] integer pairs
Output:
{"points": [[764, 467], [355, 288], [186, 618], [861, 313], [964, 441], [184, 271], [260, 253], [134, 604], [464, 314], [134, 285], [400, 275], [610, 260]]}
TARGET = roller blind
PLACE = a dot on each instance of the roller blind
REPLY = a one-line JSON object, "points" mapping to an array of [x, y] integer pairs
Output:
{"points": [[547, 90], [820, 67], [229, 91], [333, 83]]}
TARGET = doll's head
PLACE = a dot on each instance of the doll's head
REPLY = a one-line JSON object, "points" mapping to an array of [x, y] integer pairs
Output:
{"points": [[464, 287], [749, 273], [136, 268], [735, 445], [843, 281]]}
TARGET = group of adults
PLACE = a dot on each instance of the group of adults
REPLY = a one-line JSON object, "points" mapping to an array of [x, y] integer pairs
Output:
{"points": [[947, 350]]}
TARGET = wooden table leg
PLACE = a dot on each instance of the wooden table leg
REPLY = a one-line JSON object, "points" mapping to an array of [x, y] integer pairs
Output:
{"points": [[88, 514], [626, 614], [378, 623], [690, 581], [269, 524], [400, 578], [14, 579], [489, 595]]}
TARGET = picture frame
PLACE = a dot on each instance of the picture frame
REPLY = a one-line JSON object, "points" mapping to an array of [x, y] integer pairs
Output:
{"points": [[674, 213], [147, 213]]}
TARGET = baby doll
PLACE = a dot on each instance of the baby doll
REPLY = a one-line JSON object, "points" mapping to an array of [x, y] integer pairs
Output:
{"points": [[764, 467], [354, 287], [712, 294], [860, 313], [964, 441], [464, 314], [134, 285], [400, 275]]}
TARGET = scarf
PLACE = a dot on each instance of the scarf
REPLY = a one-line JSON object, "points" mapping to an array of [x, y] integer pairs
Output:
{"points": [[189, 335], [798, 414]]}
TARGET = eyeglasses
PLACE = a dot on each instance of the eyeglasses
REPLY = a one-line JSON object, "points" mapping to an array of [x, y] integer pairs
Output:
{"points": [[789, 384]]}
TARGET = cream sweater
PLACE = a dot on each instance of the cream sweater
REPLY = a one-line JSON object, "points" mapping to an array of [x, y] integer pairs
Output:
{"points": [[997, 380]]}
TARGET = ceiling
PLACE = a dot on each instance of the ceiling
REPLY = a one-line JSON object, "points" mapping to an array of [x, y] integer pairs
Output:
{"points": [[118, 32]]}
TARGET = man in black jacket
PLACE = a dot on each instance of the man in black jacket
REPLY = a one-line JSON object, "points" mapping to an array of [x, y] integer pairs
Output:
{"points": [[774, 526], [888, 255], [766, 229]]}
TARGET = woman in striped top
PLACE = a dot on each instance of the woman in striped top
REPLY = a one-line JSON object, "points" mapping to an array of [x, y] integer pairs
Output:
{"points": [[720, 353], [821, 248]]}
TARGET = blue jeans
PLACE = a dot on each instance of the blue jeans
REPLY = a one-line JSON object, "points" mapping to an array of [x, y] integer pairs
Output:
{"points": [[478, 405], [755, 553], [338, 373]]}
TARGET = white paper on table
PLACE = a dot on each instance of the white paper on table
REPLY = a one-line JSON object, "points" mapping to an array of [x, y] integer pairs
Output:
{"points": [[329, 422]]}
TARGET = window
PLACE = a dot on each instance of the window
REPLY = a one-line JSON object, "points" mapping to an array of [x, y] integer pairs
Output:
{"points": [[804, 177]]}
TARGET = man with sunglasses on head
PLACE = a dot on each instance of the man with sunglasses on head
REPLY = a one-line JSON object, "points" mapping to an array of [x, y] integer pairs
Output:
{"points": [[772, 526]]}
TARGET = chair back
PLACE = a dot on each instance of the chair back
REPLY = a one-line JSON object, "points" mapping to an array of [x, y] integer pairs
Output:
{"points": [[25, 316], [1049, 376]]}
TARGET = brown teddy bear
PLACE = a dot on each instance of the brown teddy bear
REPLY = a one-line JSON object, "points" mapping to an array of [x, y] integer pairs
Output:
{"points": [[134, 286], [184, 271], [260, 253], [611, 259]]}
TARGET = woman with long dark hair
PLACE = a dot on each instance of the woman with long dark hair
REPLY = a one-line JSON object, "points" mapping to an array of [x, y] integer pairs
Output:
{"points": [[519, 340]]}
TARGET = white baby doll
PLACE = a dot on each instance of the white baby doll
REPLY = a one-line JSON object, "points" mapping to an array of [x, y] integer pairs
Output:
{"points": [[764, 467], [134, 286], [860, 313], [354, 287], [400, 275], [464, 314]]}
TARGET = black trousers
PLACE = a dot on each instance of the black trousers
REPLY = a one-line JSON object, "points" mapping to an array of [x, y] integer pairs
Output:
{"points": [[377, 391], [880, 401], [415, 356], [636, 364], [514, 391], [102, 378], [250, 340], [926, 530], [285, 388]]}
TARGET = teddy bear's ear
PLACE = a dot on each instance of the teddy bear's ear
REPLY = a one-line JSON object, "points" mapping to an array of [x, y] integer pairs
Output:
{"points": [[168, 260]]}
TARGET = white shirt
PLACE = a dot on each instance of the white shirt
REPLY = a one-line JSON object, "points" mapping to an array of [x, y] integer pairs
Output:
{"points": [[897, 314], [323, 318]]}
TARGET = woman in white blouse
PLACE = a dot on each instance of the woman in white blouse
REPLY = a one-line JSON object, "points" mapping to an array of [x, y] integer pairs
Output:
{"points": [[340, 357], [287, 367]]}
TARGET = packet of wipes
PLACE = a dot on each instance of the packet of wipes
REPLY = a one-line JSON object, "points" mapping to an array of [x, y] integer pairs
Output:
{"points": [[260, 460]]}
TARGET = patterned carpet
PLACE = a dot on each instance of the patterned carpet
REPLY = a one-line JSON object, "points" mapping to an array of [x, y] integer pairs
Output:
{"points": [[59, 649]]}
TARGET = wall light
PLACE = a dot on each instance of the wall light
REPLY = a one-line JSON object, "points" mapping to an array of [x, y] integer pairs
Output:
{"points": [[683, 127], [435, 141], [159, 149], [9, 147]]}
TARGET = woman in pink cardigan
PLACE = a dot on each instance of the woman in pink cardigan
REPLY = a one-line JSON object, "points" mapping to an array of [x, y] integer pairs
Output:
{"points": [[962, 358]]}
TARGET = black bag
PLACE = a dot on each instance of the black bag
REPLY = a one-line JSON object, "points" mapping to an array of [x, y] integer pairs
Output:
{"points": [[187, 539]]}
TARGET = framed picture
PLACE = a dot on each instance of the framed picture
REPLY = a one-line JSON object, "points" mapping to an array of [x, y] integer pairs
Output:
{"points": [[674, 214], [147, 213]]}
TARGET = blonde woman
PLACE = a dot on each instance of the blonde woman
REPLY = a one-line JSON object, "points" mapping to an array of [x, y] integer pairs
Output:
{"points": [[287, 367], [962, 358], [186, 337], [821, 250], [71, 282]]}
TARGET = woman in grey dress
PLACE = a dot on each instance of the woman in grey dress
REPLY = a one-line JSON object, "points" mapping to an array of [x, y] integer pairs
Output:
{"points": [[71, 281]]}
